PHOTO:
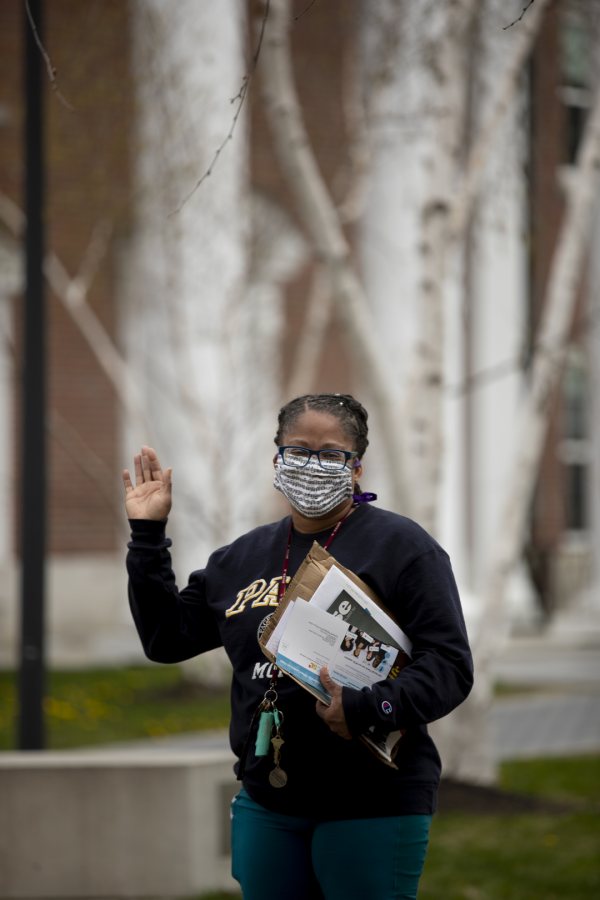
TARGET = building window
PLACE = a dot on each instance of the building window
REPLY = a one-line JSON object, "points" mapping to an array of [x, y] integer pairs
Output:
{"points": [[574, 449], [575, 93]]}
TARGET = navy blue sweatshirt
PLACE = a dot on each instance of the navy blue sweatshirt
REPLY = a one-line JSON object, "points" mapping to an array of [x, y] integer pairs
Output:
{"points": [[227, 603]]}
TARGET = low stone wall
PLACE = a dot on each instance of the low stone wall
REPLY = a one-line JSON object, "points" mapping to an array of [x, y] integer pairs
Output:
{"points": [[115, 824]]}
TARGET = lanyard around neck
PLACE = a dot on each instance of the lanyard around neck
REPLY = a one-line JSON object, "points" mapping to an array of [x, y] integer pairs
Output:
{"points": [[286, 558]]}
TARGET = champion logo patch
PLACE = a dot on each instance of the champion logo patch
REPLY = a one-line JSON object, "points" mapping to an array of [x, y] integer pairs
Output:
{"points": [[386, 707]]}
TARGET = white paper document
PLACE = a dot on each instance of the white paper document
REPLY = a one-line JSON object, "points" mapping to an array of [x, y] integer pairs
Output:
{"points": [[341, 597], [313, 638], [340, 625]]}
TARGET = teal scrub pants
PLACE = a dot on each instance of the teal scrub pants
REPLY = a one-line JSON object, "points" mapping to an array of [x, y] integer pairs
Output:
{"points": [[276, 856]]}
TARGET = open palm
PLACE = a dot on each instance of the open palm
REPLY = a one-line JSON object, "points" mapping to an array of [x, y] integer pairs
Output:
{"points": [[150, 497]]}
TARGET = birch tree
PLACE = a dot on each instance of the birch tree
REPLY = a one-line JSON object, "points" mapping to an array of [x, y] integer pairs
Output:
{"points": [[186, 260], [444, 220], [186, 322], [468, 752], [445, 231], [448, 70], [324, 229]]}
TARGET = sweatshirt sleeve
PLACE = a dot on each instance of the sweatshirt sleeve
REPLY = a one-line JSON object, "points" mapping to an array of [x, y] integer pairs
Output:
{"points": [[173, 625], [439, 677]]}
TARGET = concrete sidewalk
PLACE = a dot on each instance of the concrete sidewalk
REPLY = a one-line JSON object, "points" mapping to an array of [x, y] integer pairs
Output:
{"points": [[546, 725], [559, 710]]}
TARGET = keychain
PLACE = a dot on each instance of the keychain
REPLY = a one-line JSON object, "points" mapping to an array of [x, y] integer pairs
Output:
{"points": [[277, 777], [265, 722], [263, 735], [271, 718]]}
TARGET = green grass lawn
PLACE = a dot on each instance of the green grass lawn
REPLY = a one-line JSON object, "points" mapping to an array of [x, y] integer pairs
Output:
{"points": [[542, 856], [523, 857], [101, 706]]}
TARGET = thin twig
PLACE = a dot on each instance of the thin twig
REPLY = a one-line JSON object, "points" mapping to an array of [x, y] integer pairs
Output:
{"points": [[523, 11], [305, 10], [239, 98], [519, 363], [49, 67]]}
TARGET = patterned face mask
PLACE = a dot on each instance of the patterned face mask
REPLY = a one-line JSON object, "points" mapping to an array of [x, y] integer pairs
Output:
{"points": [[311, 490]]}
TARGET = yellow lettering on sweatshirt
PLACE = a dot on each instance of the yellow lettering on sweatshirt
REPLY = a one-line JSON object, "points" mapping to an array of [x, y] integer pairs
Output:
{"points": [[259, 593]]}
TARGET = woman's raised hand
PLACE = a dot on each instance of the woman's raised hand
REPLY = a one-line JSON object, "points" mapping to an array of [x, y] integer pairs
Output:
{"points": [[150, 497]]}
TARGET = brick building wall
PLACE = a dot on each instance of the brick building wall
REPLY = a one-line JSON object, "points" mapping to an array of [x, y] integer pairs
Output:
{"points": [[546, 207], [88, 160]]}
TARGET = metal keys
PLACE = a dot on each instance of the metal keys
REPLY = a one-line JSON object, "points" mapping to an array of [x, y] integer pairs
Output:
{"points": [[277, 741], [277, 777], [270, 720]]}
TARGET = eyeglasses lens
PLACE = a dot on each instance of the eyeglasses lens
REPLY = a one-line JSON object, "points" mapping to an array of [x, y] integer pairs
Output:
{"points": [[330, 460]]}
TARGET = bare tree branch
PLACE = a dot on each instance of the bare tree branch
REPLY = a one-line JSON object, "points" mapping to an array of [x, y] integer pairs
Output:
{"points": [[490, 374], [309, 346], [239, 99], [72, 292], [481, 147], [547, 367], [12, 216], [49, 67], [523, 11], [531, 429], [305, 10], [324, 228], [349, 185], [81, 454]]}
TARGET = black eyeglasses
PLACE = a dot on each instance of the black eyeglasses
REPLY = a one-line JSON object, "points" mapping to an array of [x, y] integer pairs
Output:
{"points": [[330, 460]]}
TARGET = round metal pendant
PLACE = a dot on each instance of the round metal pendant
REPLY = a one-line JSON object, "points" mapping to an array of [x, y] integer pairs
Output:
{"points": [[277, 778]]}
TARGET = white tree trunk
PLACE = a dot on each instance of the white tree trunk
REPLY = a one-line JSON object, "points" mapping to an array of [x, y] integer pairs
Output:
{"points": [[499, 292], [447, 76], [550, 350], [417, 164], [592, 597], [453, 187], [517, 42], [467, 752], [325, 231], [184, 271], [310, 344]]}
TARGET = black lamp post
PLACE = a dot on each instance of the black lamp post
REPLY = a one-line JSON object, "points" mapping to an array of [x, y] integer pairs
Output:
{"points": [[31, 731]]}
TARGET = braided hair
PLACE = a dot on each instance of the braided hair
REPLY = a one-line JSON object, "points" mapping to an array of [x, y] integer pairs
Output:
{"points": [[351, 414]]}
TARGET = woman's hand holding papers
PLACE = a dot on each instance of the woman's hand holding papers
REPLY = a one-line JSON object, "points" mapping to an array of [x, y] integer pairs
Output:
{"points": [[333, 715]]}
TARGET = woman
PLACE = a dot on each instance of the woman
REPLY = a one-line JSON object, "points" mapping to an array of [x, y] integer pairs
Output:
{"points": [[341, 824]]}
